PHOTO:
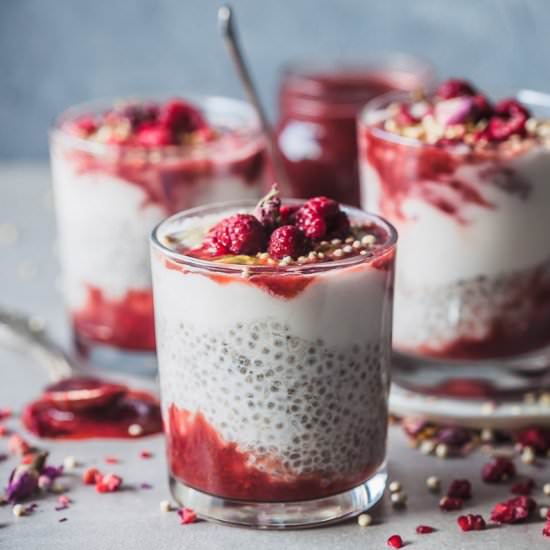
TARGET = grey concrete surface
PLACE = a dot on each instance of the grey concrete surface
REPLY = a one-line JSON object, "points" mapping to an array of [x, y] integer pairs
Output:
{"points": [[54, 54], [131, 520]]}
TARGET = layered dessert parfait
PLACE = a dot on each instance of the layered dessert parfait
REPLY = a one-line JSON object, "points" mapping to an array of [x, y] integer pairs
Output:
{"points": [[274, 332], [465, 181], [118, 170], [318, 106]]}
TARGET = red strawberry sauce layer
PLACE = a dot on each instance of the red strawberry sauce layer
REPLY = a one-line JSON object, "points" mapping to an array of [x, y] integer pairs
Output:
{"points": [[277, 236], [200, 458], [127, 323], [98, 409]]}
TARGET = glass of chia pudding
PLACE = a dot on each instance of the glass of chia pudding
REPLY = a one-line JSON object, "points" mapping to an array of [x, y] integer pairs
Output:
{"points": [[274, 341], [119, 168], [466, 183]]}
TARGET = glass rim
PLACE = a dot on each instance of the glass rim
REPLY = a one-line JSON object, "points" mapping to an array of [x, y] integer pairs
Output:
{"points": [[303, 69], [527, 97], [252, 130], [237, 269]]}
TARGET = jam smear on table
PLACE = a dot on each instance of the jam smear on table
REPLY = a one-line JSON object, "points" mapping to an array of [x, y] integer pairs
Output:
{"points": [[86, 407]]}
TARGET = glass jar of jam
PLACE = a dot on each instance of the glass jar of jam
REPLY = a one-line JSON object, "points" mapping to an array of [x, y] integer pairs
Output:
{"points": [[318, 106]]}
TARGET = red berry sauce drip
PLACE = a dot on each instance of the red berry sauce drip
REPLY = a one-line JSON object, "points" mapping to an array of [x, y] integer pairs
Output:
{"points": [[279, 235], [126, 323], [83, 408], [200, 458], [170, 182]]}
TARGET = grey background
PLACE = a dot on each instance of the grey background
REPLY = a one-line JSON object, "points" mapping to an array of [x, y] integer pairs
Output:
{"points": [[58, 52]]}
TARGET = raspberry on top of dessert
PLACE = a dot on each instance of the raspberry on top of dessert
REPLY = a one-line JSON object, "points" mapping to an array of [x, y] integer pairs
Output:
{"points": [[148, 124], [278, 234], [458, 113]]}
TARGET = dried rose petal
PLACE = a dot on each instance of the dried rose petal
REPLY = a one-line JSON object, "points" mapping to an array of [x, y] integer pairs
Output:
{"points": [[53, 472], [513, 510], [460, 488], [187, 515], [146, 454], [498, 470], [17, 445], [108, 484], [523, 487], [91, 476], [454, 111], [536, 438], [448, 504], [471, 522], [424, 529]]}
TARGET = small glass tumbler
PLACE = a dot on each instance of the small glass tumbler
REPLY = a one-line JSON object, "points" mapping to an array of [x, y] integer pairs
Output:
{"points": [[472, 296], [108, 199], [274, 380]]}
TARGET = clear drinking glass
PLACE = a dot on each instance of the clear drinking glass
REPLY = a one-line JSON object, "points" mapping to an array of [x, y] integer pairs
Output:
{"points": [[472, 296], [274, 380], [108, 199]]}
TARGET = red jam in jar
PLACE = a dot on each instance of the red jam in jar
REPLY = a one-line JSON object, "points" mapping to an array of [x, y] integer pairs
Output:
{"points": [[318, 106]]}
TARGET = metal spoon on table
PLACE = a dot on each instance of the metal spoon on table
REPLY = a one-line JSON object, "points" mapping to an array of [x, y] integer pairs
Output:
{"points": [[70, 390], [228, 29]]}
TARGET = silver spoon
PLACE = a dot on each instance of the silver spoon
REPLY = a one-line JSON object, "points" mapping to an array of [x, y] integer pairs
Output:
{"points": [[71, 389], [228, 28]]}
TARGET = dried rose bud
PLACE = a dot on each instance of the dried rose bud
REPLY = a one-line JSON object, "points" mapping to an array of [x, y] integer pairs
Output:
{"points": [[23, 481], [268, 210]]}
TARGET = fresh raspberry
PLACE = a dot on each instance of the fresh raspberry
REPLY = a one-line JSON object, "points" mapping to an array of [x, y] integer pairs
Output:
{"points": [[395, 541], [187, 515], [239, 234], [154, 136], [85, 125], [178, 116], [325, 207], [513, 510], [460, 488], [471, 522], [108, 484], [287, 240], [511, 107], [500, 129], [498, 470], [340, 226], [481, 107], [139, 113], [523, 487], [311, 223], [321, 217], [455, 87], [287, 213], [91, 476]]}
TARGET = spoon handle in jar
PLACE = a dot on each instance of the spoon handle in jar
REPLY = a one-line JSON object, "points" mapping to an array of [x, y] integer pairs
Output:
{"points": [[228, 28]]}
